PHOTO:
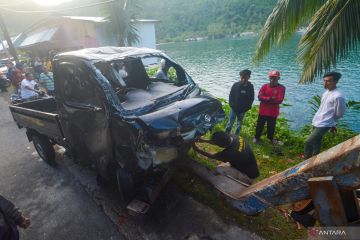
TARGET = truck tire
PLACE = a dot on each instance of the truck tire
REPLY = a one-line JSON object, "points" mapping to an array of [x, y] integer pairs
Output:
{"points": [[44, 148]]}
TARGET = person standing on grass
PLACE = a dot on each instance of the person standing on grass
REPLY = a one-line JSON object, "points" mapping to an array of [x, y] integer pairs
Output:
{"points": [[332, 107], [270, 96], [241, 99]]}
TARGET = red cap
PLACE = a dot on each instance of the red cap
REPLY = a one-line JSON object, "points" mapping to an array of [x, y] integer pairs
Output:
{"points": [[274, 73]]}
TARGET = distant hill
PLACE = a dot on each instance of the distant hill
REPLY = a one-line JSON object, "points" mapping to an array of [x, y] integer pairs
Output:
{"points": [[180, 19]]}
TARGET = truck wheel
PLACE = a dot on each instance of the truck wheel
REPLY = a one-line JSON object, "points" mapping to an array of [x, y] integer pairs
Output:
{"points": [[44, 148]]}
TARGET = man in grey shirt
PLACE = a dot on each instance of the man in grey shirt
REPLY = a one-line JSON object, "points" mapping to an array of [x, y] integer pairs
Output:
{"points": [[332, 108]]}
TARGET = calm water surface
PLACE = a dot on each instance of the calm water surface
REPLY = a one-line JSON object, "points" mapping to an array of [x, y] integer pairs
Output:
{"points": [[215, 66]]}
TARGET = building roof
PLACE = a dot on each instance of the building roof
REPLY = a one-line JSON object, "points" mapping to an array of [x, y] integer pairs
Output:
{"points": [[38, 37], [83, 18], [13, 39], [146, 20], [44, 30], [109, 53]]}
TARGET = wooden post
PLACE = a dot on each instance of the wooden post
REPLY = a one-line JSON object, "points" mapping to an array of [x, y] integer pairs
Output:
{"points": [[327, 201], [351, 205]]}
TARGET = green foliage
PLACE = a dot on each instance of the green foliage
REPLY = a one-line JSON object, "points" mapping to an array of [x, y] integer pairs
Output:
{"points": [[120, 14], [269, 225], [181, 19], [271, 160], [315, 102], [151, 71], [289, 152], [332, 32], [353, 105]]}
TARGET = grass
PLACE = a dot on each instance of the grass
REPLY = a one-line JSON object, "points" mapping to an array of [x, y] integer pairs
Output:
{"points": [[271, 160]]}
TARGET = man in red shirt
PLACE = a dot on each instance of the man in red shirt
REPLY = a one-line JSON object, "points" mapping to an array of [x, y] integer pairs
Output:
{"points": [[270, 96]]}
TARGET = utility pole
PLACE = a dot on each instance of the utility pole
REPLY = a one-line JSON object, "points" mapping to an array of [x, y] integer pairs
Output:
{"points": [[8, 39]]}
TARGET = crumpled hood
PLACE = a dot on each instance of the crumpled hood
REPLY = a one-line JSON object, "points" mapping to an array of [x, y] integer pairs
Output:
{"points": [[200, 113]]}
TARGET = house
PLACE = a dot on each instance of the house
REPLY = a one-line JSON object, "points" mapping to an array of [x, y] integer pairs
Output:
{"points": [[58, 33], [145, 29]]}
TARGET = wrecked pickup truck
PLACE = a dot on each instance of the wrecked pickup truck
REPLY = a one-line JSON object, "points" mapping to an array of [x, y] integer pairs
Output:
{"points": [[131, 127]]}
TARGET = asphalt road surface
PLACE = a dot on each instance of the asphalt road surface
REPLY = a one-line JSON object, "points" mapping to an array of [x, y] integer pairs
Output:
{"points": [[66, 203]]}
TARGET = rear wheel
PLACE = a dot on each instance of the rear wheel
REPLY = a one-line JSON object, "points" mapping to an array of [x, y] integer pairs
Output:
{"points": [[44, 148]]}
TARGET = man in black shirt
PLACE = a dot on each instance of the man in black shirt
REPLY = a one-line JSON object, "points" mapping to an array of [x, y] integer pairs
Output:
{"points": [[241, 99], [236, 151]]}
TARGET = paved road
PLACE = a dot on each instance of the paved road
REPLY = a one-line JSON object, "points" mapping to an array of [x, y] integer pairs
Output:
{"points": [[66, 203], [58, 205]]}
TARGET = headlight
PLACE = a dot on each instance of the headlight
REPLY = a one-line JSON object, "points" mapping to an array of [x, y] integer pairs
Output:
{"points": [[162, 135], [164, 154]]}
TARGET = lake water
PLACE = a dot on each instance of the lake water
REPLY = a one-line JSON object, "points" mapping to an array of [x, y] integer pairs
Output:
{"points": [[215, 66]]}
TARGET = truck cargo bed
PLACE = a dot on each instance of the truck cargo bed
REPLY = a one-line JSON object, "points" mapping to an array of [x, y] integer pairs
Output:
{"points": [[39, 115]]}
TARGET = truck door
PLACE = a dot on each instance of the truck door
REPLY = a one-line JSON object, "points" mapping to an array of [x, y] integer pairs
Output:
{"points": [[83, 111]]}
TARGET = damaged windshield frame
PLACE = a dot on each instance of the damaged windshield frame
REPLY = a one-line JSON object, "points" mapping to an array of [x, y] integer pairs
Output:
{"points": [[135, 75]]}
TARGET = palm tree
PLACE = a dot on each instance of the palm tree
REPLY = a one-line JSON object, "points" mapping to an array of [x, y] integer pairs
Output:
{"points": [[333, 31], [121, 15]]}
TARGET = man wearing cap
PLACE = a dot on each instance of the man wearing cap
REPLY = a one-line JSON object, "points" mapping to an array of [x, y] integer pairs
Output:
{"points": [[332, 107], [270, 96], [241, 99]]}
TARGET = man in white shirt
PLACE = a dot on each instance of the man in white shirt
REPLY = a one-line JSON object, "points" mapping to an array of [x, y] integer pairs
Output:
{"points": [[120, 73], [162, 73], [332, 108], [28, 87]]}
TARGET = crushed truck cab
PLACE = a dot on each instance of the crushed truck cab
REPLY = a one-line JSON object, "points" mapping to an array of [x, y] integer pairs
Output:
{"points": [[131, 126]]}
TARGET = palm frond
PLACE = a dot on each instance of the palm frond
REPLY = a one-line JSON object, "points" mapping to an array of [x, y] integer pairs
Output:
{"points": [[354, 105], [286, 17], [333, 31], [120, 14], [315, 102]]}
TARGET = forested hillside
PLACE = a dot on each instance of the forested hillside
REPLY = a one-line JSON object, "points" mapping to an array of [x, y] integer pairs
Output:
{"points": [[181, 19]]}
